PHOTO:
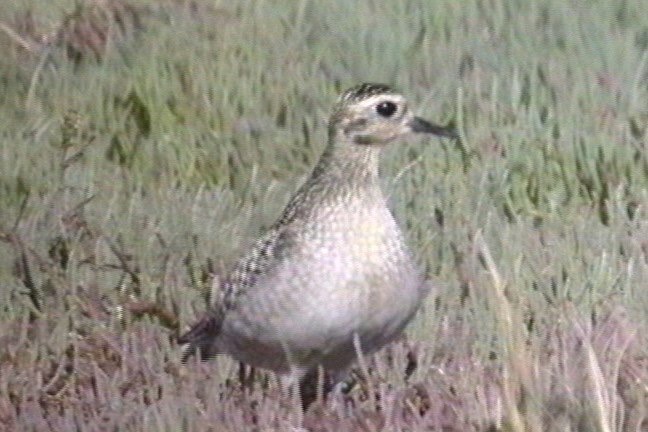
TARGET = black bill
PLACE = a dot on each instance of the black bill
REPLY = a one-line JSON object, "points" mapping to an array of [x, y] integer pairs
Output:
{"points": [[423, 126]]}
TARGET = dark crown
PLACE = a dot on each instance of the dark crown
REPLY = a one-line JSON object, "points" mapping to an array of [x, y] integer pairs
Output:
{"points": [[364, 91]]}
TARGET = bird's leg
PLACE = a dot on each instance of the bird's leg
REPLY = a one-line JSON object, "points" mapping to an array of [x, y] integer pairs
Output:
{"points": [[246, 376], [318, 383]]}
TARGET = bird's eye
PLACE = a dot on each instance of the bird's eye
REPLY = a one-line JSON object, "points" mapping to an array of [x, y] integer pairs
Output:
{"points": [[386, 109]]}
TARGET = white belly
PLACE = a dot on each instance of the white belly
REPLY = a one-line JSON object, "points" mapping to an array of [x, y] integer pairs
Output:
{"points": [[344, 279]]}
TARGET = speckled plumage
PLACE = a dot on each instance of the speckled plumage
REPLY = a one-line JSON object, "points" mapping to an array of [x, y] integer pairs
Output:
{"points": [[334, 268]]}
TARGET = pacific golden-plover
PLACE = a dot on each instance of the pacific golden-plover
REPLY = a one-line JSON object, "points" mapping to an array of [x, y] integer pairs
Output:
{"points": [[333, 276]]}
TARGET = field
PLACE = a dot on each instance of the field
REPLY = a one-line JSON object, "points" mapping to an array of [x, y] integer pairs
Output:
{"points": [[145, 144]]}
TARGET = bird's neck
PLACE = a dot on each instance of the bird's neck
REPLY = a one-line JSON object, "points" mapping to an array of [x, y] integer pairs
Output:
{"points": [[345, 173], [350, 164]]}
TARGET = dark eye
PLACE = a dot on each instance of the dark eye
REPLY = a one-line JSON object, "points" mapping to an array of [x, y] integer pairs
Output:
{"points": [[386, 109]]}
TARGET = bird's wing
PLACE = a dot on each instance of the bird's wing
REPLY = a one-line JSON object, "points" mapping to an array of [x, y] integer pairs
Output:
{"points": [[265, 255]]}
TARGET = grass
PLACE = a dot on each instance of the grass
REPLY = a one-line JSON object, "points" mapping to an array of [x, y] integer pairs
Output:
{"points": [[145, 144]]}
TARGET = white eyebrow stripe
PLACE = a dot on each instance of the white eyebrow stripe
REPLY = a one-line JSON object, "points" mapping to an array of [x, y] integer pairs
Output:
{"points": [[375, 100]]}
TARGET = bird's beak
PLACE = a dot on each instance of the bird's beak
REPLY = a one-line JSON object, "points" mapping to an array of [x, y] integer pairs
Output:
{"points": [[419, 125]]}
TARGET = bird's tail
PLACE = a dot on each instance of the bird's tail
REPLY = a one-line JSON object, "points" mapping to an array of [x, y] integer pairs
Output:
{"points": [[200, 339]]}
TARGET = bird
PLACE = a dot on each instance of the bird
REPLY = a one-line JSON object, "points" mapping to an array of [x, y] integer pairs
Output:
{"points": [[333, 277]]}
